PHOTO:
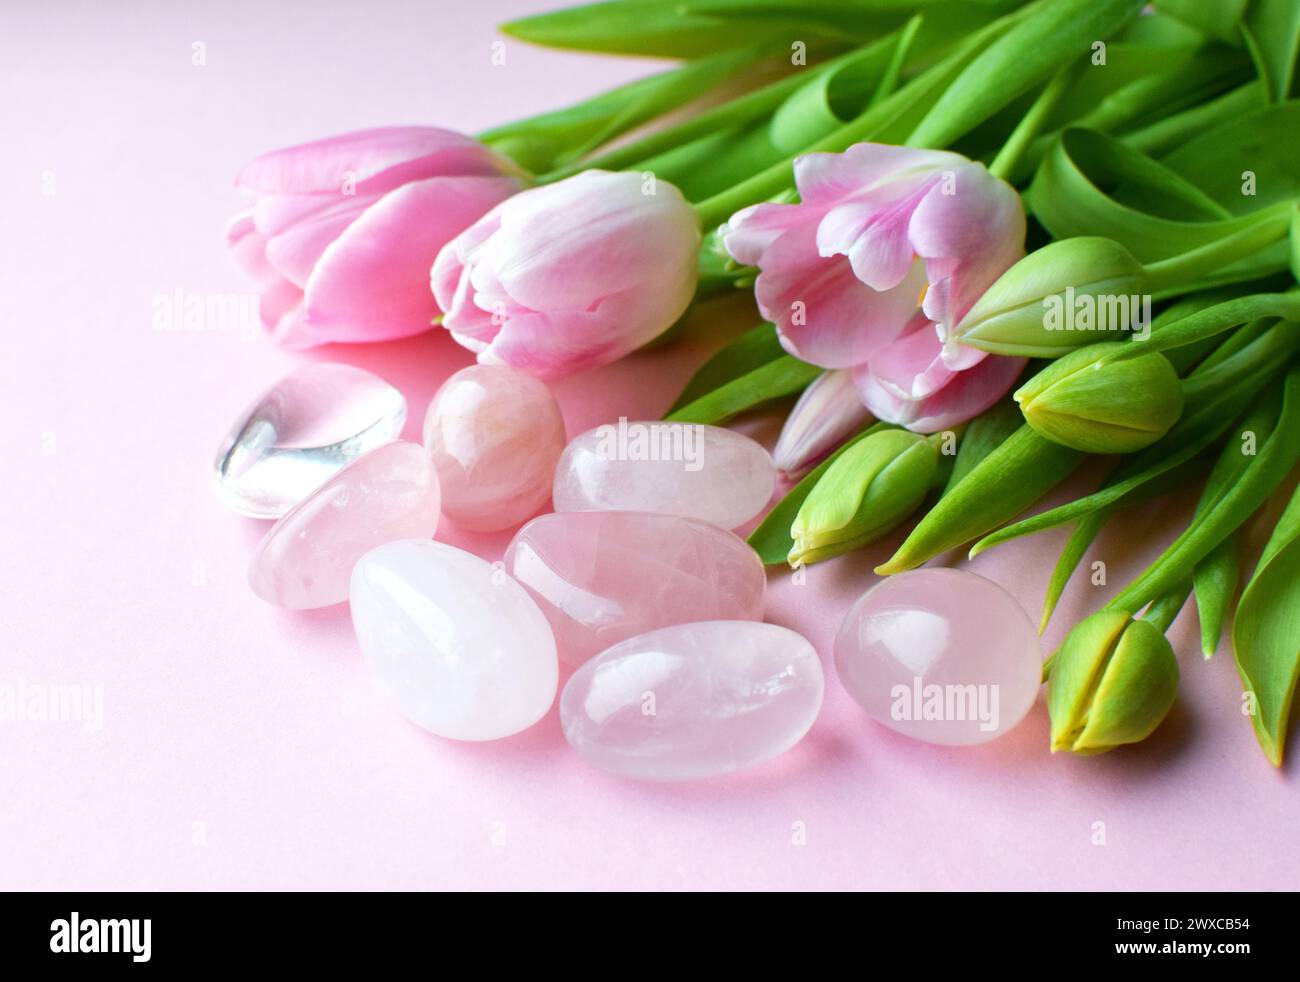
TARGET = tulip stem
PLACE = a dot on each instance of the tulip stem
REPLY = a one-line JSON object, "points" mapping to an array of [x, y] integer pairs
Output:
{"points": [[1163, 611], [1022, 137], [1270, 225]]}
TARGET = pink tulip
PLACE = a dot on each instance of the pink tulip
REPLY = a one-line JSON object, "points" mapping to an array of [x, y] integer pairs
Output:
{"points": [[340, 238], [885, 252], [570, 275], [828, 412], [908, 382]]}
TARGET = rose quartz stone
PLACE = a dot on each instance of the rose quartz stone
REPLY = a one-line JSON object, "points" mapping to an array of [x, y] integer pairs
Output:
{"points": [[602, 577], [459, 645], [687, 469], [941, 655], [306, 558], [494, 434], [694, 700]]}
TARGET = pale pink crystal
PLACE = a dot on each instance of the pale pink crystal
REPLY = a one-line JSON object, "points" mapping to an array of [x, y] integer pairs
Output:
{"points": [[602, 577], [705, 472], [941, 655], [459, 645], [306, 558], [494, 434], [693, 701]]}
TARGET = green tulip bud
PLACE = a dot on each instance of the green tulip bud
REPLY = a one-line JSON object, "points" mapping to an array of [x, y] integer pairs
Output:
{"points": [[1112, 682], [868, 490], [1058, 298], [1086, 402]]}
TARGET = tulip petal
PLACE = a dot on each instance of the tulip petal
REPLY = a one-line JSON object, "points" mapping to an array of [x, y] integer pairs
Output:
{"points": [[912, 367], [828, 178], [965, 395], [823, 313], [552, 344], [372, 282], [968, 238], [612, 232], [751, 231], [827, 413], [370, 161], [248, 248], [294, 251]]}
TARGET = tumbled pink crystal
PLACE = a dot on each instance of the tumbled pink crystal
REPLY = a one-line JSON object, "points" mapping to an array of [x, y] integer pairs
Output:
{"points": [[705, 472], [602, 577], [942, 655], [306, 558], [494, 434], [460, 646], [694, 700]]}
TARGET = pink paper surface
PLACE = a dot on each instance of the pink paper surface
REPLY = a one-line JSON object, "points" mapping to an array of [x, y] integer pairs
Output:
{"points": [[246, 747]]}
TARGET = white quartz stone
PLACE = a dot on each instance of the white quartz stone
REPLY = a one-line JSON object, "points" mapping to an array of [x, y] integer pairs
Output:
{"points": [[301, 432], [458, 643]]}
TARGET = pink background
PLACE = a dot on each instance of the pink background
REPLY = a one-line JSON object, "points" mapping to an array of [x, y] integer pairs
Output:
{"points": [[245, 746]]}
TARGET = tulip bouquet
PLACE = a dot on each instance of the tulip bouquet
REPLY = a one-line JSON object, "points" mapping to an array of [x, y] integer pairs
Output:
{"points": [[987, 239]]}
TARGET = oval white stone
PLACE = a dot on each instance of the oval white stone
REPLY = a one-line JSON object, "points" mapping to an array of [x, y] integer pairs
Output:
{"points": [[705, 472], [694, 700], [458, 643]]}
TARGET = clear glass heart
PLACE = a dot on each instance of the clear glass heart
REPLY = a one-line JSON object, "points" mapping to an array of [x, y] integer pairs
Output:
{"points": [[302, 431]]}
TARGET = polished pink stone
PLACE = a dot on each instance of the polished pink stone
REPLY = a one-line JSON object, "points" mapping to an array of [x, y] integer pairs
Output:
{"points": [[688, 469], [602, 577], [494, 434], [306, 558], [694, 700], [942, 655]]}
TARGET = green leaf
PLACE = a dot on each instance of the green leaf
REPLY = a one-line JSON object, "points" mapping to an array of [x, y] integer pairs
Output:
{"points": [[1272, 32], [1006, 482], [1215, 319], [1222, 391], [691, 28], [986, 433], [713, 163], [543, 142], [1085, 532], [772, 540], [1032, 51], [1217, 18], [1217, 159], [783, 376], [1171, 130], [1089, 526], [753, 349], [1215, 582], [1150, 209], [1273, 460], [1266, 632]]}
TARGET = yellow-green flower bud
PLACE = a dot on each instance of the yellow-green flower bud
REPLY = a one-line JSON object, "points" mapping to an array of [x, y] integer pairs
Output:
{"points": [[1112, 682], [866, 492], [1058, 298], [1083, 401]]}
